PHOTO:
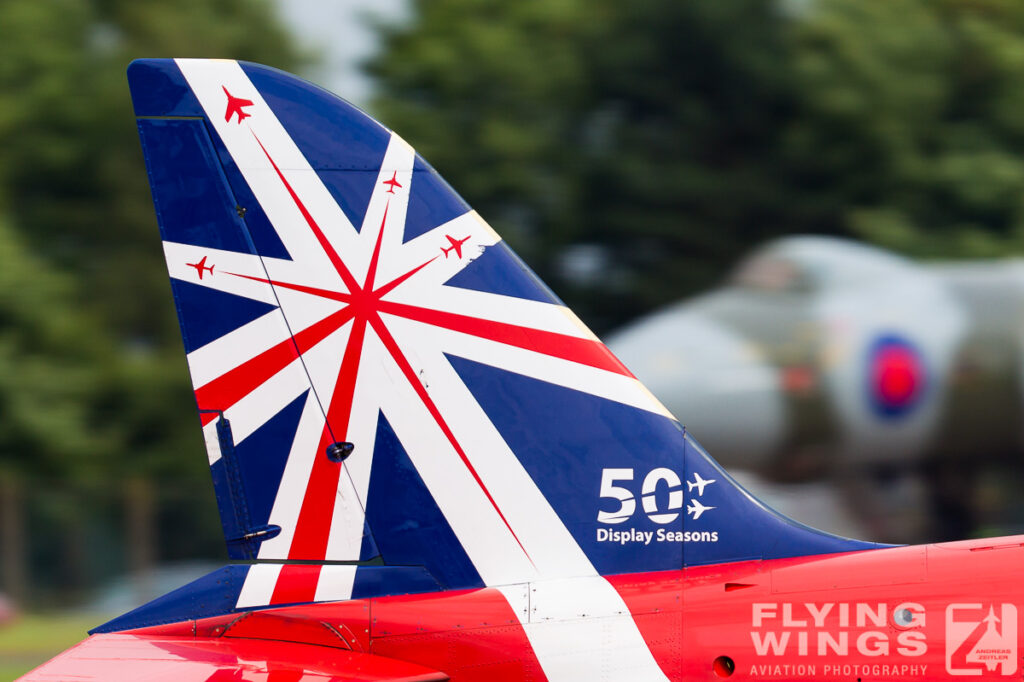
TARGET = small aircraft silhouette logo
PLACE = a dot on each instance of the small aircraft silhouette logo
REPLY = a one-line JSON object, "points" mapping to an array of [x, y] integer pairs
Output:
{"points": [[974, 642], [990, 642], [696, 508], [201, 267], [697, 483], [456, 245], [392, 183], [235, 106]]}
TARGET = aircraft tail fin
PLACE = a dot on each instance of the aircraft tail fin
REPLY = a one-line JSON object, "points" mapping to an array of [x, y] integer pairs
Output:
{"points": [[366, 393]]}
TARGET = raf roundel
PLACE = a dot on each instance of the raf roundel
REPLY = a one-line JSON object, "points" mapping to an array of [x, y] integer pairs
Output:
{"points": [[896, 376]]}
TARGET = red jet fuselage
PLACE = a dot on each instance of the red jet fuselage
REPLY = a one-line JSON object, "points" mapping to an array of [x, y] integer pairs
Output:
{"points": [[928, 612]]}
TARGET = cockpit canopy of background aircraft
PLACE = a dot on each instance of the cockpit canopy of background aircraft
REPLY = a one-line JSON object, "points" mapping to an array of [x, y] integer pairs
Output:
{"points": [[806, 264]]}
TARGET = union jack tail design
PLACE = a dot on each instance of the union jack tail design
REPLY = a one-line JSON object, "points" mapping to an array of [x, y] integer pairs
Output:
{"points": [[379, 377]]}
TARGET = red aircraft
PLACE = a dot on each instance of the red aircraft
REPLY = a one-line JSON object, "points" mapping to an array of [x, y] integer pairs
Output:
{"points": [[392, 183], [434, 472], [201, 267], [235, 106], [456, 245]]}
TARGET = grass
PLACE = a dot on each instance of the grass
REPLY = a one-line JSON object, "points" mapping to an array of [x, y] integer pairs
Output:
{"points": [[33, 639]]}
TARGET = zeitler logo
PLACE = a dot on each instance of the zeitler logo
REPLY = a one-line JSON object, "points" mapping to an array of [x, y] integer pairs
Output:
{"points": [[981, 639]]}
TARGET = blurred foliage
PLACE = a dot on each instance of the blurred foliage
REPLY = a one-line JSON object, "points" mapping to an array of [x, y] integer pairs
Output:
{"points": [[634, 150], [52, 364], [93, 384], [918, 115], [93, 380]]}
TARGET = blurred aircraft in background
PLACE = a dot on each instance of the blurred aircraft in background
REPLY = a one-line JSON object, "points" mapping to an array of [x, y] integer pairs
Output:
{"points": [[826, 359]]}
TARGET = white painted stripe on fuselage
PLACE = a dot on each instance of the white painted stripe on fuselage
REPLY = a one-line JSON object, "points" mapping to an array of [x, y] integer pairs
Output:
{"points": [[579, 634], [571, 598], [259, 585], [335, 583]]}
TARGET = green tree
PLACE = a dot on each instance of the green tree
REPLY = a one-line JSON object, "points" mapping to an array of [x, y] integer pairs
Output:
{"points": [[914, 108], [73, 182], [52, 364]]}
